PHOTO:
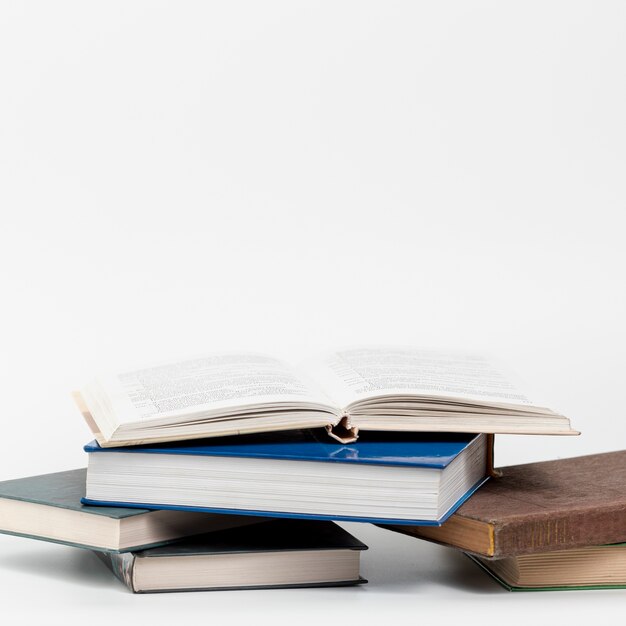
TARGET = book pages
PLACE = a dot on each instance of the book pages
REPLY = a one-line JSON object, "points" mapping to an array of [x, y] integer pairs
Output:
{"points": [[349, 376], [217, 382]]}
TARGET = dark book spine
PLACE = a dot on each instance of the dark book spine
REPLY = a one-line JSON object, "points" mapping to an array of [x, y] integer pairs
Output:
{"points": [[574, 529]]}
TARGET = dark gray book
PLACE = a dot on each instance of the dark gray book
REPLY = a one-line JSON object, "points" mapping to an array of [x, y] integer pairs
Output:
{"points": [[49, 507], [274, 554]]}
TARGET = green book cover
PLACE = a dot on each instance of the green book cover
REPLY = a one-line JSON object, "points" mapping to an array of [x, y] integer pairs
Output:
{"points": [[48, 507], [61, 489]]}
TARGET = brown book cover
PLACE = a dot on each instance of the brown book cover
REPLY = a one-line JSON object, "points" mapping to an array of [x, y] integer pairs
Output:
{"points": [[539, 507]]}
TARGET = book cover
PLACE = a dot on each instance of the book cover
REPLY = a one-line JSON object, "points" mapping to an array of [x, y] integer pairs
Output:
{"points": [[538, 507], [424, 450]]}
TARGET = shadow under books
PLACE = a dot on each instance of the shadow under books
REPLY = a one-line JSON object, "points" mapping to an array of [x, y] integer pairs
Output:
{"points": [[79, 567], [428, 567], [460, 573]]}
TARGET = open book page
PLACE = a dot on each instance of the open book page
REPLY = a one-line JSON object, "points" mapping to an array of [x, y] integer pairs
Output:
{"points": [[226, 384], [354, 375]]}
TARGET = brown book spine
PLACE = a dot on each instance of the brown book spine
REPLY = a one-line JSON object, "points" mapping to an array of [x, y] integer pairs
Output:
{"points": [[572, 529]]}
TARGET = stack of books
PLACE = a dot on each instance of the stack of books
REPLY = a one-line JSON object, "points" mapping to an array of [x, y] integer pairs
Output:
{"points": [[231, 471]]}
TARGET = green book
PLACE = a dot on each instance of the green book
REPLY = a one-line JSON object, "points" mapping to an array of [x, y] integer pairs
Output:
{"points": [[48, 507], [275, 554], [593, 567]]}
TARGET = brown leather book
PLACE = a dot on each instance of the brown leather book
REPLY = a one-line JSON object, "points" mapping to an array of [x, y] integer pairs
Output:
{"points": [[539, 507]]}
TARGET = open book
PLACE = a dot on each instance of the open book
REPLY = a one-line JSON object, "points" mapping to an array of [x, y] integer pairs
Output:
{"points": [[346, 391]]}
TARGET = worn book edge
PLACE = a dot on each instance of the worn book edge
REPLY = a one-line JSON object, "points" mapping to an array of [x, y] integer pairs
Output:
{"points": [[481, 542], [91, 423]]}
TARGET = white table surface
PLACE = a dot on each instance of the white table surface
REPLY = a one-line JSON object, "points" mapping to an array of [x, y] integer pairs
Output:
{"points": [[288, 177]]}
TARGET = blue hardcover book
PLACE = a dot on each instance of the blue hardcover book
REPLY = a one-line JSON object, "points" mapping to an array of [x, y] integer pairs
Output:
{"points": [[381, 478]]}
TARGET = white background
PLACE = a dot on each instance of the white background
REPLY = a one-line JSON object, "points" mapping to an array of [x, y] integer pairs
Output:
{"points": [[179, 178]]}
